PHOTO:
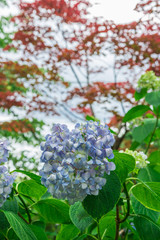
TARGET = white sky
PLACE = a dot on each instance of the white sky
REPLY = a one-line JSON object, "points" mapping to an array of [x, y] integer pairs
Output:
{"points": [[121, 11]]}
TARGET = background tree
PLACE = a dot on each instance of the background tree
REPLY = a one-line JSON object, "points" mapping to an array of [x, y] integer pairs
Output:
{"points": [[75, 44]]}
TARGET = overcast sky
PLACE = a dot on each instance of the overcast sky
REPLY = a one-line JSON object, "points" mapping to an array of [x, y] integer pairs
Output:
{"points": [[121, 11]]}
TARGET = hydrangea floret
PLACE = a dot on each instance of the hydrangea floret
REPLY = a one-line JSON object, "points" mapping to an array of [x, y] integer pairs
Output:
{"points": [[4, 151], [75, 161], [6, 180], [140, 158], [6, 183]]}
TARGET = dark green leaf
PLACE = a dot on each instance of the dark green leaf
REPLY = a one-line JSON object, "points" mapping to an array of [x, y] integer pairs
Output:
{"points": [[31, 175], [156, 110], [46, 195], [39, 232], [153, 98], [134, 145], [125, 163], [53, 210], [83, 237], [12, 235], [39, 224], [97, 206], [150, 173], [154, 158], [32, 189], [4, 224], [107, 226], [68, 232], [143, 131], [135, 112], [79, 216], [134, 234], [141, 209], [140, 94], [21, 229], [9, 205], [148, 194], [146, 228], [151, 121]]}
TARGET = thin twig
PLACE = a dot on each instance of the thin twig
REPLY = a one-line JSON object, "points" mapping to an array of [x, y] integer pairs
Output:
{"points": [[22, 217], [76, 76], [25, 206]]}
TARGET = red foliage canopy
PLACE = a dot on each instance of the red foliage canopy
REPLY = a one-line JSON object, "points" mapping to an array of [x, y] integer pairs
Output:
{"points": [[138, 43], [53, 35]]}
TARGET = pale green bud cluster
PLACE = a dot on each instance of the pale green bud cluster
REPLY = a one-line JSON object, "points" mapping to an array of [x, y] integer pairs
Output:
{"points": [[140, 158], [150, 81]]}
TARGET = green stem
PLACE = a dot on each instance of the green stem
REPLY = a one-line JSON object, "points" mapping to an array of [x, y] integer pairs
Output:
{"points": [[126, 234], [152, 133], [92, 236], [117, 222], [128, 204], [133, 178], [25, 206], [99, 235]]}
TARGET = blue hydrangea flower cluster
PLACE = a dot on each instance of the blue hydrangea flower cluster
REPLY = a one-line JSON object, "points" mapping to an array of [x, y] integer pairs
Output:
{"points": [[6, 183], [3, 151], [75, 161], [6, 180]]}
